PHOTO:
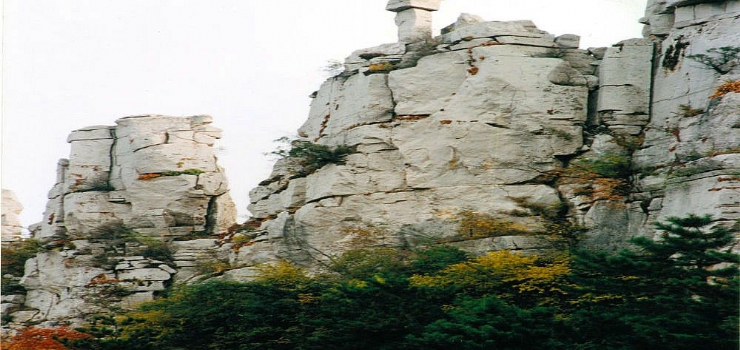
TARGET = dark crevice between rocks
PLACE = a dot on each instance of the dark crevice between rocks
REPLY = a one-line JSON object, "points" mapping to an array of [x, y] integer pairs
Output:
{"points": [[211, 216], [497, 125], [674, 53], [112, 157]]}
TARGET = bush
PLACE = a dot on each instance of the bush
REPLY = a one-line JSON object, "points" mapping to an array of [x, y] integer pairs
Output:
{"points": [[61, 338], [679, 292], [615, 166], [313, 156], [474, 225], [14, 256], [603, 178], [149, 176]]}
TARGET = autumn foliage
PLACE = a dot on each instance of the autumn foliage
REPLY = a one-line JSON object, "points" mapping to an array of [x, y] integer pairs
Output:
{"points": [[33, 338], [678, 293], [724, 89]]}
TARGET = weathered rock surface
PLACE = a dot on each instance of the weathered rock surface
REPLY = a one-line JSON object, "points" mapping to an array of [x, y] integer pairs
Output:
{"points": [[120, 220], [479, 117], [154, 174], [413, 18], [470, 124], [500, 121], [12, 229]]}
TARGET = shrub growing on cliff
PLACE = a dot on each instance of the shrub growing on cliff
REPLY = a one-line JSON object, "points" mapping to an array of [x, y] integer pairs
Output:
{"points": [[15, 254], [313, 156], [601, 178], [478, 225]]}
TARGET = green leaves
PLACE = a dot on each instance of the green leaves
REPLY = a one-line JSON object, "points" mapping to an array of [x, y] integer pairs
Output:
{"points": [[679, 292], [312, 156]]}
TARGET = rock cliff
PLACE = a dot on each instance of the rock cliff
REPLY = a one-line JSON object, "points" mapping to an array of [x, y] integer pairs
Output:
{"points": [[492, 135], [123, 216], [517, 126]]}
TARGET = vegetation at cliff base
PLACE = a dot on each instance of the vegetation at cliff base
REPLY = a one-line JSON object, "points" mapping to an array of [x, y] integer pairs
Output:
{"points": [[677, 292]]}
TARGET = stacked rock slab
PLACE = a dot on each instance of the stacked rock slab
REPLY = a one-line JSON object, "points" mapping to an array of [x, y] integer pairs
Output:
{"points": [[154, 174], [128, 199], [12, 229]]}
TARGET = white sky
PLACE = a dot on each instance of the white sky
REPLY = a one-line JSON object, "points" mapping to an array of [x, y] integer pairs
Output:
{"points": [[251, 64]]}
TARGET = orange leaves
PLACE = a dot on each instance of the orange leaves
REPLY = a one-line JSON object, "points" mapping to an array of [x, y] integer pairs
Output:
{"points": [[730, 86], [33, 338], [101, 279], [380, 67], [149, 176]]}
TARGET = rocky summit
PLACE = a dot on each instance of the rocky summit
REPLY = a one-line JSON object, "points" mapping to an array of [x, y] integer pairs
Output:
{"points": [[490, 136]]}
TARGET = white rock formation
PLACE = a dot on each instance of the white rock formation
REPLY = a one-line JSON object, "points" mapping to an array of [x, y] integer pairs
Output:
{"points": [[469, 124], [496, 118], [413, 18], [119, 220], [690, 158], [154, 174], [476, 119], [12, 229]]}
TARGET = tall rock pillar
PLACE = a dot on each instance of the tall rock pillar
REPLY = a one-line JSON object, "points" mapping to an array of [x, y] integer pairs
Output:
{"points": [[413, 18]]}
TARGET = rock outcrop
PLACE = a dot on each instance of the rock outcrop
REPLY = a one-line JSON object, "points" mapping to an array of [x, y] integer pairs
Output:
{"points": [[508, 121], [12, 229], [154, 174], [689, 159], [126, 201], [493, 135]]}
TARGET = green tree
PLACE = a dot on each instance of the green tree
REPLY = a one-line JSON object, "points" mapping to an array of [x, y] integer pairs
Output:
{"points": [[678, 292], [490, 323]]}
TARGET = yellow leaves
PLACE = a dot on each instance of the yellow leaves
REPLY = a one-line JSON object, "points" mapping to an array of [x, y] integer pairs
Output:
{"points": [[379, 279], [478, 225], [152, 321], [357, 283], [497, 271], [307, 298], [280, 271], [380, 67], [363, 235], [590, 298]]}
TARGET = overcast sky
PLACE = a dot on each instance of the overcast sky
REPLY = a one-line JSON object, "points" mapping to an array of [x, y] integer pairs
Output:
{"points": [[251, 64]]}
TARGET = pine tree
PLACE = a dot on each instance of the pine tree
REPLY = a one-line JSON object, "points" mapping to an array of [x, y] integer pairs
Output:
{"points": [[677, 292]]}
